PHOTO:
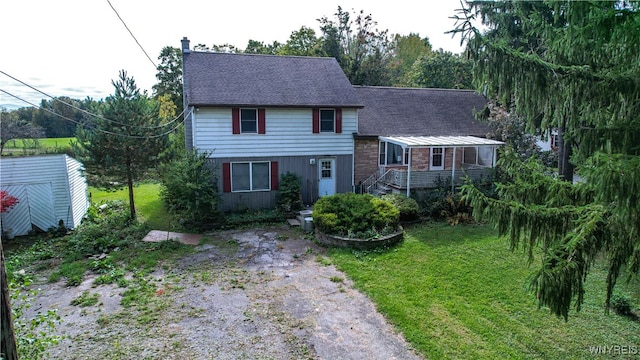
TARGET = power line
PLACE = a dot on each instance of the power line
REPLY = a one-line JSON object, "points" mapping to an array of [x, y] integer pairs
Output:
{"points": [[98, 129], [133, 36], [87, 112]]}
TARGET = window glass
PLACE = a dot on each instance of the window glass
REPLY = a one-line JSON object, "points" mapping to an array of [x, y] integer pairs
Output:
{"points": [[260, 176], [240, 180], [249, 120], [327, 122], [325, 172], [485, 156], [436, 158], [383, 146], [394, 154], [470, 155]]}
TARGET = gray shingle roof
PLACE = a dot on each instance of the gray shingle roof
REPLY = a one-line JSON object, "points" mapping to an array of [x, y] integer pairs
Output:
{"points": [[419, 112], [220, 79]]}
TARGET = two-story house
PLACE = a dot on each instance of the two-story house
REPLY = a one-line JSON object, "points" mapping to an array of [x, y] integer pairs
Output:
{"points": [[262, 116]]}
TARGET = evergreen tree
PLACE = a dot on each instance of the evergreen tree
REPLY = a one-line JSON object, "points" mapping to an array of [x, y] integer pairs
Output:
{"points": [[573, 66], [125, 143]]}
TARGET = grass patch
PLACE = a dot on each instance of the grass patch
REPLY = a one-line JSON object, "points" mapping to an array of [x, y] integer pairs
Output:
{"points": [[86, 299], [41, 143], [149, 206], [458, 292]]}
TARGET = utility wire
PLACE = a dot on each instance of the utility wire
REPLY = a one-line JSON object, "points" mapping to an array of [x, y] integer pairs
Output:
{"points": [[133, 36], [97, 129], [87, 112]]}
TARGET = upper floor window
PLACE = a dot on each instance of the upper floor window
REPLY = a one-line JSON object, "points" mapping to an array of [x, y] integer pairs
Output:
{"points": [[327, 120], [248, 121]]}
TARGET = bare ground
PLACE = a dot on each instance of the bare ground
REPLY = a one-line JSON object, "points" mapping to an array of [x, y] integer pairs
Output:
{"points": [[242, 295]]}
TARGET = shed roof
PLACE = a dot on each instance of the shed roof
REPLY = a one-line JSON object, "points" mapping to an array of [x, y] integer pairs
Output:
{"points": [[390, 111], [429, 141], [222, 79]]}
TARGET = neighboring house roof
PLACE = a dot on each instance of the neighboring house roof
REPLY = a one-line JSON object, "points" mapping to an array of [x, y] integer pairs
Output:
{"points": [[390, 111], [222, 79]]}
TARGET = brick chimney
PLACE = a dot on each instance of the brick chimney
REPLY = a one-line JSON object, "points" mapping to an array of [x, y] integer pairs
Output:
{"points": [[185, 45]]}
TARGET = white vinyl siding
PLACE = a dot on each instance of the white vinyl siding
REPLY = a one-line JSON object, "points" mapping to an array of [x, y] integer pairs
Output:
{"points": [[289, 132], [52, 183]]}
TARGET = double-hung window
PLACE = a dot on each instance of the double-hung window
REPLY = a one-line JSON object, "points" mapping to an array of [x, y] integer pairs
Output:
{"points": [[327, 120], [437, 158], [250, 176], [249, 121]]}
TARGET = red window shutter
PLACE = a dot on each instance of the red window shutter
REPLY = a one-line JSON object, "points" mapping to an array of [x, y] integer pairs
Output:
{"points": [[226, 177], [235, 120], [261, 121], [316, 120], [274, 175], [338, 120]]}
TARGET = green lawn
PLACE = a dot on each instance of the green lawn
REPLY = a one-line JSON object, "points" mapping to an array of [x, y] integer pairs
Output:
{"points": [[41, 143], [149, 206], [458, 292]]}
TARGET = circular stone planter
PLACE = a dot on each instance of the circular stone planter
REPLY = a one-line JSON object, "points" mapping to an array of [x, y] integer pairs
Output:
{"points": [[360, 244]]}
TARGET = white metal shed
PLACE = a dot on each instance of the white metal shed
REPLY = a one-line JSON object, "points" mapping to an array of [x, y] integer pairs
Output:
{"points": [[49, 188]]}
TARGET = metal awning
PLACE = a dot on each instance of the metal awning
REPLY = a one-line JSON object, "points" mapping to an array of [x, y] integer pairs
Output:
{"points": [[431, 141], [413, 142]]}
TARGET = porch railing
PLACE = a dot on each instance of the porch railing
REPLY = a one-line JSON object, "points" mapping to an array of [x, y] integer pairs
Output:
{"points": [[431, 179]]}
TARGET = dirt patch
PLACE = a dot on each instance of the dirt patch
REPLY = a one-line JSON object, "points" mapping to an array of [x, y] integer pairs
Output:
{"points": [[242, 295]]}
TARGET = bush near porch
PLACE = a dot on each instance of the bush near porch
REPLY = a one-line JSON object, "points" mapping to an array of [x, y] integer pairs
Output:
{"points": [[355, 216]]}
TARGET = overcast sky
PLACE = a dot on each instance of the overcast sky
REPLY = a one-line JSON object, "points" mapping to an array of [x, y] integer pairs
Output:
{"points": [[76, 47]]}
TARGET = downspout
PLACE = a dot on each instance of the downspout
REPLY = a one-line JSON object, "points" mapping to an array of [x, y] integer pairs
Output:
{"points": [[409, 175], [453, 170]]}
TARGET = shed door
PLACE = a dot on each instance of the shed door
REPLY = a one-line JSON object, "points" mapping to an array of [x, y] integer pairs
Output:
{"points": [[34, 209], [327, 177]]}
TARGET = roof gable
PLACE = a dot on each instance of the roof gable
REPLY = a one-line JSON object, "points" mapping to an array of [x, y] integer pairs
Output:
{"points": [[222, 79], [392, 111]]}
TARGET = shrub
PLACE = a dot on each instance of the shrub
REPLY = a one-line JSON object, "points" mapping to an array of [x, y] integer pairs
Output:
{"points": [[289, 196], [621, 304], [189, 188], [355, 215], [408, 207]]}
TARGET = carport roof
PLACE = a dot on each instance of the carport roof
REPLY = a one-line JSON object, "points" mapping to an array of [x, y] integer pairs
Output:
{"points": [[429, 141]]}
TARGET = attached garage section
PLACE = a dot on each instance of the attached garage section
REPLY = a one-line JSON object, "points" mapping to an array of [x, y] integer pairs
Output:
{"points": [[49, 189]]}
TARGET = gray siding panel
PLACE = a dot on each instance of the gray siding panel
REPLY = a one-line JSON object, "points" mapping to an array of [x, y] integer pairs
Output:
{"points": [[300, 165]]}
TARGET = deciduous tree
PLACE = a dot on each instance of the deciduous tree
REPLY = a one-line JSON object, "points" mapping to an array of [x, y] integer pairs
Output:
{"points": [[440, 69], [169, 76], [573, 66], [13, 127]]}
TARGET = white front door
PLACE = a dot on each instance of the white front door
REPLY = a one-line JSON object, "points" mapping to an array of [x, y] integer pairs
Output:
{"points": [[326, 177]]}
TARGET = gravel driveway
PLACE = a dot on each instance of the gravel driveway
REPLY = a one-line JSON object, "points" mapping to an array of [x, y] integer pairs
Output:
{"points": [[243, 294]]}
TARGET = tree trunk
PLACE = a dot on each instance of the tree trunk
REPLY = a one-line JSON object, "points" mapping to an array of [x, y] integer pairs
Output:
{"points": [[8, 350], [132, 205], [565, 168]]}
